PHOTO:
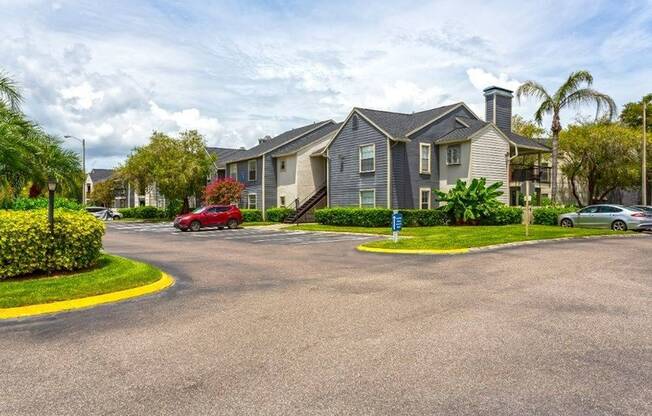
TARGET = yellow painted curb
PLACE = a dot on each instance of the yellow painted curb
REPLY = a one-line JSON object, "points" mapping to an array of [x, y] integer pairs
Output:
{"points": [[408, 251], [66, 305]]}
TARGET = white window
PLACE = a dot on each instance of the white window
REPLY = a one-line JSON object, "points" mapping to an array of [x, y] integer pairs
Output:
{"points": [[424, 157], [424, 194], [282, 165], [454, 154], [368, 198], [233, 170], [367, 158], [251, 201], [253, 164], [282, 200]]}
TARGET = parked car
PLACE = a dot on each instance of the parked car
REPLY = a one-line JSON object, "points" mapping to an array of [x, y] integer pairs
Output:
{"points": [[645, 208], [104, 213], [219, 216], [616, 217]]}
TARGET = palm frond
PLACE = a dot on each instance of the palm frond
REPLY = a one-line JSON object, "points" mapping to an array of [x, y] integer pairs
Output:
{"points": [[572, 84], [532, 89], [9, 92], [546, 107], [586, 96]]}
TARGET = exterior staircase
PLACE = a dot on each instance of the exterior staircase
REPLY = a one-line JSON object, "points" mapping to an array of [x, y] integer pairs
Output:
{"points": [[302, 208]]}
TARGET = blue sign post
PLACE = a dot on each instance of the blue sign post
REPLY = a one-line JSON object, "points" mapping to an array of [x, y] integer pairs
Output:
{"points": [[397, 224]]}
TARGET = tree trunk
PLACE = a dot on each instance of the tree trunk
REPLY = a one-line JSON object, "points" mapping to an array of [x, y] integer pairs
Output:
{"points": [[185, 208], [34, 191], [556, 128]]}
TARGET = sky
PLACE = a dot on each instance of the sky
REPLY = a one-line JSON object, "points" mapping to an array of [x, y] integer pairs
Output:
{"points": [[113, 72]]}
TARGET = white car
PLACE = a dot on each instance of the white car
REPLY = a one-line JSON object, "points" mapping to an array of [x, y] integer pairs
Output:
{"points": [[104, 213]]}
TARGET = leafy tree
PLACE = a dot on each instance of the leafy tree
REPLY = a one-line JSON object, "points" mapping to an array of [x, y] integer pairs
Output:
{"points": [[9, 93], [632, 113], [223, 191], [104, 192], [468, 204], [178, 167], [598, 158], [575, 91], [527, 128]]}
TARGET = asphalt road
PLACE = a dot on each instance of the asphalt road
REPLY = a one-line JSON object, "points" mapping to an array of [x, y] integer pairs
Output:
{"points": [[284, 329]]}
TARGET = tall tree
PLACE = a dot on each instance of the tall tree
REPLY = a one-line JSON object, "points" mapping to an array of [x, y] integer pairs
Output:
{"points": [[104, 192], [598, 158], [527, 128], [9, 93], [574, 92], [632, 113]]}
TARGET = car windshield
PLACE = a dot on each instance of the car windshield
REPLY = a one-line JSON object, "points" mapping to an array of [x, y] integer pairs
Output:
{"points": [[199, 210]]}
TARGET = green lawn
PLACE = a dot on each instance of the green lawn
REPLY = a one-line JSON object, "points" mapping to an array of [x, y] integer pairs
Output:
{"points": [[447, 238], [249, 224], [111, 274]]}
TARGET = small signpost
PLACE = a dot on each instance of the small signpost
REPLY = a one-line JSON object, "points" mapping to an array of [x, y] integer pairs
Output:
{"points": [[527, 208], [397, 224]]}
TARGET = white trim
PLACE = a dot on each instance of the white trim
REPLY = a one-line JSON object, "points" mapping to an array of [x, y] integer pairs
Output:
{"points": [[355, 110], [494, 120], [462, 122], [421, 190], [429, 170], [255, 170], [231, 165], [360, 196], [360, 158], [389, 173], [459, 153], [455, 107], [328, 180], [255, 200]]}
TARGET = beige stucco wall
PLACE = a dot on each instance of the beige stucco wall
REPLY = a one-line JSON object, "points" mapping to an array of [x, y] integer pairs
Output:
{"points": [[286, 181], [311, 171]]}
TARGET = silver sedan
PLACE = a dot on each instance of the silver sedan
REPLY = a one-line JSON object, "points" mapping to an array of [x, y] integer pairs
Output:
{"points": [[616, 217]]}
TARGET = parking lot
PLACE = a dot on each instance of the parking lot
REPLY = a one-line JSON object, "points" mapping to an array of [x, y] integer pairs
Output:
{"points": [[262, 235]]}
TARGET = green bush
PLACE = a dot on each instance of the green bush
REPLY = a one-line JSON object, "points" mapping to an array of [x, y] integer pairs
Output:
{"points": [[26, 204], [470, 204], [278, 214], [379, 217], [143, 213], [251, 215], [503, 215], [26, 245], [548, 215]]}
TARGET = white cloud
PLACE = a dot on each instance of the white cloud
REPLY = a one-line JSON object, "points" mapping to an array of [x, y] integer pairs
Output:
{"points": [[482, 79], [82, 96]]}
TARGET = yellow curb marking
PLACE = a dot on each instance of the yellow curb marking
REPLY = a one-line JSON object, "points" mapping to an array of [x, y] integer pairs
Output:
{"points": [[409, 251], [66, 305]]}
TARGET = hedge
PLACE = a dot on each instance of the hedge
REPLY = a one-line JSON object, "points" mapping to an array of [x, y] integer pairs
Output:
{"points": [[27, 204], [378, 217], [26, 245], [548, 215], [251, 215], [278, 214], [143, 212], [504, 215]]}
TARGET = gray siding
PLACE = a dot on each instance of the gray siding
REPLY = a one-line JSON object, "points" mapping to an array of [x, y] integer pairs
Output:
{"points": [[503, 118], [401, 183], [270, 181], [488, 160], [250, 186], [344, 177]]}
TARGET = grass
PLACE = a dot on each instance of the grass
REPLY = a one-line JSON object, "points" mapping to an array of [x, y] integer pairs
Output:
{"points": [[111, 274], [408, 231], [448, 238], [247, 224]]}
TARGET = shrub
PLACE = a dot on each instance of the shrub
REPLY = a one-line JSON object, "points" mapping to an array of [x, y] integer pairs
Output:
{"points": [[278, 214], [503, 215], [143, 212], [469, 204], [378, 217], [548, 215], [223, 191], [26, 245], [173, 208], [251, 215], [26, 204]]}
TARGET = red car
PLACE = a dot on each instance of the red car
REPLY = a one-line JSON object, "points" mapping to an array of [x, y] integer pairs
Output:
{"points": [[219, 216]]}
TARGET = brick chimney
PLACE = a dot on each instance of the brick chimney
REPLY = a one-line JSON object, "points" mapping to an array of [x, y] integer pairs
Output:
{"points": [[498, 107]]}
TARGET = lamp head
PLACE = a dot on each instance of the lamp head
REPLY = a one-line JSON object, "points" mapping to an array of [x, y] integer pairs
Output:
{"points": [[52, 184]]}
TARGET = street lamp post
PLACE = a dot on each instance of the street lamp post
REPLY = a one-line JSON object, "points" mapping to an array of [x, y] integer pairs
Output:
{"points": [[644, 158], [52, 186], [83, 142]]}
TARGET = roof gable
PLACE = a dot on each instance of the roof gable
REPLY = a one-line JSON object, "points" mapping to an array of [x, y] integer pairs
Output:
{"points": [[100, 175]]}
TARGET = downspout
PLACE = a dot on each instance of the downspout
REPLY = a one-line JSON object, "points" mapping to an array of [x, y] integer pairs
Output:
{"points": [[262, 181], [328, 179], [389, 174]]}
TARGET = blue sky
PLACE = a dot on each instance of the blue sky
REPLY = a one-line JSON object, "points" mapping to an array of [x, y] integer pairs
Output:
{"points": [[113, 72]]}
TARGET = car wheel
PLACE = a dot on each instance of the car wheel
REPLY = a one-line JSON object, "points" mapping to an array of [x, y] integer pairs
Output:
{"points": [[619, 225], [116, 217], [220, 228], [566, 223], [232, 224], [195, 226]]}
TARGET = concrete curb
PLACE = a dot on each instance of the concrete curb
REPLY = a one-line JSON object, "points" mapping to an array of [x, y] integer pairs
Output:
{"points": [[362, 247], [88, 302]]}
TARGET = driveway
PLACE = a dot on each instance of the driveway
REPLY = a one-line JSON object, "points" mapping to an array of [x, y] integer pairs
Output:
{"points": [[283, 329]]}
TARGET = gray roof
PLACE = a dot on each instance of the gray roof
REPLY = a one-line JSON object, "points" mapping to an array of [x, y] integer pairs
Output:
{"points": [[535, 144], [100, 175], [223, 154], [398, 125], [462, 132], [280, 140], [306, 140]]}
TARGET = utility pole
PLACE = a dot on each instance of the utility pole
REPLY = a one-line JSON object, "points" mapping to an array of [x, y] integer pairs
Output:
{"points": [[644, 157], [83, 142]]}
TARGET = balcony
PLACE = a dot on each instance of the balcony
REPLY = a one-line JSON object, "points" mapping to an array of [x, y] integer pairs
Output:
{"points": [[522, 173]]}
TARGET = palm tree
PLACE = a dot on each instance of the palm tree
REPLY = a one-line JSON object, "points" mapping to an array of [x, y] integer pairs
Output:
{"points": [[9, 92], [576, 91]]}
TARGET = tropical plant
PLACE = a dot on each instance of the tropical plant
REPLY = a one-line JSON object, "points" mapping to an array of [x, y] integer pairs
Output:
{"points": [[9, 93], [632, 113], [469, 204], [223, 191], [574, 92], [104, 192]]}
